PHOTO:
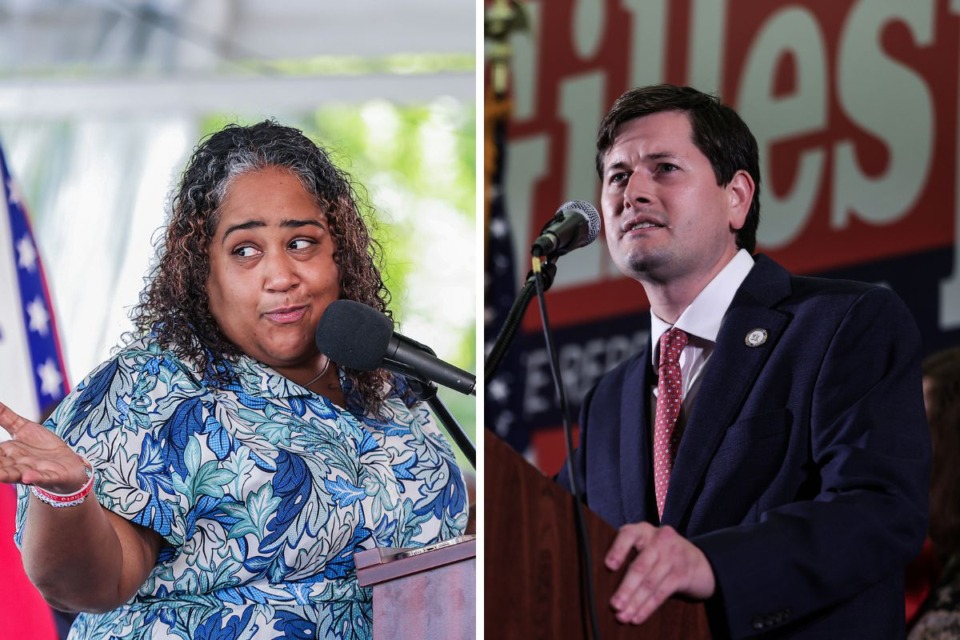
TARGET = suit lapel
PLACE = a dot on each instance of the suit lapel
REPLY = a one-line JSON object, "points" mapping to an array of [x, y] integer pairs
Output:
{"points": [[635, 457], [730, 374]]}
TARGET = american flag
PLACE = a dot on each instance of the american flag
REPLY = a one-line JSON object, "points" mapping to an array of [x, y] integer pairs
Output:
{"points": [[503, 397], [32, 376], [32, 380]]}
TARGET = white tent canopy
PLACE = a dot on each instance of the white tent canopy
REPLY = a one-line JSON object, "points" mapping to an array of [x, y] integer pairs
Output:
{"points": [[101, 102], [191, 56]]}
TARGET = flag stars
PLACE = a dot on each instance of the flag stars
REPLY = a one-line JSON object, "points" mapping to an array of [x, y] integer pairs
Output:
{"points": [[26, 254], [34, 332], [504, 423], [39, 318], [498, 390], [50, 379], [14, 190], [498, 228]]}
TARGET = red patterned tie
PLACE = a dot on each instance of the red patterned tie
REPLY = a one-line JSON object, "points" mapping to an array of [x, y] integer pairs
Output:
{"points": [[669, 396]]}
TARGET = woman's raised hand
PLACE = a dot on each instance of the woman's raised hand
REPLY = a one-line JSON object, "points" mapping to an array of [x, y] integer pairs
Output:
{"points": [[36, 456]]}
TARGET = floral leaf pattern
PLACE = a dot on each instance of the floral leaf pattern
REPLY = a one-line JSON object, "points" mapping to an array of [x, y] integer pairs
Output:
{"points": [[262, 490]]}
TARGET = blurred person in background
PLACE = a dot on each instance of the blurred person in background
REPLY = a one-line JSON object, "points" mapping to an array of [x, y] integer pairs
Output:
{"points": [[939, 615], [216, 476]]}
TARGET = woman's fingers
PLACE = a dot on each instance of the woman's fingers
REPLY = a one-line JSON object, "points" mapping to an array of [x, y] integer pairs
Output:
{"points": [[37, 456], [31, 434], [10, 422]]}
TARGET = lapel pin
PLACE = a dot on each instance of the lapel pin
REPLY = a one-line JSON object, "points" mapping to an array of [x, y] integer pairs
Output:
{"points": [[756, 338]]}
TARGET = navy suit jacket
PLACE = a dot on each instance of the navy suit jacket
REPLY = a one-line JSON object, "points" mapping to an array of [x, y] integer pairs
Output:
{"points": [[803, 470]]}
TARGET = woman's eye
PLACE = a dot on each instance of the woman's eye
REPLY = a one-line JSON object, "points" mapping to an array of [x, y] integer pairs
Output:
{"points": [[245, 252], [302, 243]]}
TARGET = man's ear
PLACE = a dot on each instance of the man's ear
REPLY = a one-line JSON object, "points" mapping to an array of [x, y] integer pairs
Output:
{"points": [[740, 192]]}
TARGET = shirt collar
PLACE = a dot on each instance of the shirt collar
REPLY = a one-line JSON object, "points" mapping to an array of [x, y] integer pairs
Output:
{"points": [[255, 379], [703, 316]]}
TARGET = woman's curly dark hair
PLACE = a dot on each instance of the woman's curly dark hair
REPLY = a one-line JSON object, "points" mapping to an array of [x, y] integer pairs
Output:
{"points": [[174, 304]]}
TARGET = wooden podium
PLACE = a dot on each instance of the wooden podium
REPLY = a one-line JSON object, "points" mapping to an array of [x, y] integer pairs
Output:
{"points": [[532, 587], [427, 593]]}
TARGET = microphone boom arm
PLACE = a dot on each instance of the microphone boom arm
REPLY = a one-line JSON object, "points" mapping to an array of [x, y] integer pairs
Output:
{"points": [[407, 355], [426, 391]]}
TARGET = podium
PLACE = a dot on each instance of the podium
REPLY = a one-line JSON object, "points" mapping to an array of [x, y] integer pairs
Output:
{"points": [[532, 586], [427, 593]]}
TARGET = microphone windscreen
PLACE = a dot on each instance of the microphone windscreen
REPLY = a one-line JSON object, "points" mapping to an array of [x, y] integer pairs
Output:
{"points": [[354, 335], [589, 212]]}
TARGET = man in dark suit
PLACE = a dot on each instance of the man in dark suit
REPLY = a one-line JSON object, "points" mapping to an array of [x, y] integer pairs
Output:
{"points": [[777, 466]]}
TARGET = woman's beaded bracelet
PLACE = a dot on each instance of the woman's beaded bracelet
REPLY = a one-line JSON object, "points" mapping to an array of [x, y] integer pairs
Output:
{"points": [[60, 500]]}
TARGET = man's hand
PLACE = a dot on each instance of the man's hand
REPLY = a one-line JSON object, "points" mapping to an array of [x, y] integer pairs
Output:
{"points": [[666, 564]]}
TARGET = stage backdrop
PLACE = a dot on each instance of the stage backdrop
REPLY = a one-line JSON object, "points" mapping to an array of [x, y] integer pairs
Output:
{"points": [[854, 104]]}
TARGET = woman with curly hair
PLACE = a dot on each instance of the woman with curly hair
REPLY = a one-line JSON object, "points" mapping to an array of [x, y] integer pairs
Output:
{"points": [[216, 476]]}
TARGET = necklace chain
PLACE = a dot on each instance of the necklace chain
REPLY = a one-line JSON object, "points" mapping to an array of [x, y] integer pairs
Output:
{"points": [[323, 370]]}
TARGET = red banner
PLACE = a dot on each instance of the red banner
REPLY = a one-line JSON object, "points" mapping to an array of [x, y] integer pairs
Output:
{"points": [[853, 103]]}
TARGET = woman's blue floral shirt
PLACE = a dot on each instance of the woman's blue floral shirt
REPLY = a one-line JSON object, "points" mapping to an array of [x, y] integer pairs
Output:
{"points": [[262, 490]]}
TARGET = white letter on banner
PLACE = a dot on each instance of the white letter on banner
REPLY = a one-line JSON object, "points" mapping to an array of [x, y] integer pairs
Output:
{"points": [[950, 288], [581, 111], [707, 44], [647, 40], [588, 24], [538, 394], [526, 162], [792, 31], [892, 102], [524, 66]]}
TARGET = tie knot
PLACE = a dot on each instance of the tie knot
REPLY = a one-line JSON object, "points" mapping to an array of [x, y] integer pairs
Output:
{"points": [[671, 344]]}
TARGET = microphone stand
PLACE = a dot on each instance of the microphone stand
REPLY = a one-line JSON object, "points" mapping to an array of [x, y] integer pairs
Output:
{"points": [[548, 272], [426, 391], [538, 286]]}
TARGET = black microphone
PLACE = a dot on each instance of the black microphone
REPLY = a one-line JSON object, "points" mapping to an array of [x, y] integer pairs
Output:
{"points": [[360, 337], [575, 224]]}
